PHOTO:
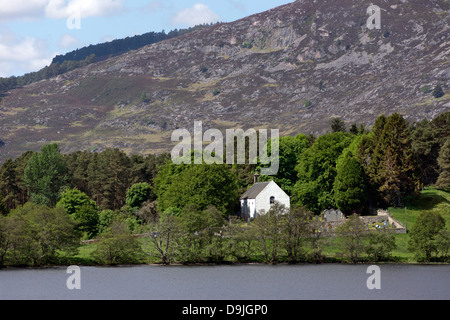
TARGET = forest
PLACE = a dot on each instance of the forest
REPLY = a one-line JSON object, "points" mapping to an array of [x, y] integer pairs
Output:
{"points": [[90, 54], [145, 208]]}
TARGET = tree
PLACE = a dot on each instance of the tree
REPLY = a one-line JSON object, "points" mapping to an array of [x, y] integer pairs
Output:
{"points": [[380, 244], [423, 233], [426, 146], [87, 219], [442, 243], [338, 125], [45, 174], [39, 235], [78, 164], [82, 209], [138, 194], [163, 234], [438, 92], [393, 170], [9, 189], [213, 234], [73, 199], [427, 138], [295, 230], [316, 170], [201, 237], [202, 185], [269, 228], [109, 178], [118, 246], [116, 172], [354, 129], [5, 238], [241, 239], [351, 237], [3, 209], [443, 160], [350, 184], [290, 149], [144, 97]]}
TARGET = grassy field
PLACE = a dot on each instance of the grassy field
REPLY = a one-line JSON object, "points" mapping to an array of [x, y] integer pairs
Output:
{"points": [[430, 200]]}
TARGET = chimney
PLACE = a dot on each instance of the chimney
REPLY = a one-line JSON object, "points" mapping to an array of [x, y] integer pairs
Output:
{"points": [[256, 178]]}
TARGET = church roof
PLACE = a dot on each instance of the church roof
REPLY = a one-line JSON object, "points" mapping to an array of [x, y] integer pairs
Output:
{"points": [[256, 189]]}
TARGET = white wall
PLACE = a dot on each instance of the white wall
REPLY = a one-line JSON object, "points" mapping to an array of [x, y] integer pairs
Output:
{"points": [[263, 199]]}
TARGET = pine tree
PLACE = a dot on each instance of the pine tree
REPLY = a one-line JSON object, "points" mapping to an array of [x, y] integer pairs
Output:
{"points": [[443, 181], [78, 164], [20, 164], [8, 186], [338, 125], [95, 181], [393, 167], [109, 178], [3, 209]]}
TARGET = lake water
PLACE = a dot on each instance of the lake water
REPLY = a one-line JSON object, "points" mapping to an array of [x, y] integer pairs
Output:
{"points": [[237, 282]]}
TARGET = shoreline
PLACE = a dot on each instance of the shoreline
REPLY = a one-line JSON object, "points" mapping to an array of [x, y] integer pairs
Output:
{"points": [[60, 266]]}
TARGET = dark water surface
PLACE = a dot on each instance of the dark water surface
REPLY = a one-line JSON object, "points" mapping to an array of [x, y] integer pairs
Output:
{"points": [[241, 282]]}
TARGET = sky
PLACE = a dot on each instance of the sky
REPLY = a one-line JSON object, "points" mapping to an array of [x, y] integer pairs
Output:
{"points": [[32, 32]]}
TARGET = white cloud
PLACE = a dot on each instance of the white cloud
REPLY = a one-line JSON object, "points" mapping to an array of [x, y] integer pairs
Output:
{"points": [[85, 8], [56, 9], [198, 14], [10, 10], [20, 55], [67, 41]]}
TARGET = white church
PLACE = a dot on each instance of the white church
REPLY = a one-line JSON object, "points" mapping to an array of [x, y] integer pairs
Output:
{"points": [[260, 197]]}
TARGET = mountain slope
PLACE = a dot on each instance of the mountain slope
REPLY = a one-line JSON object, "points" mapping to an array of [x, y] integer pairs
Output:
{"points": [[294, 68]]}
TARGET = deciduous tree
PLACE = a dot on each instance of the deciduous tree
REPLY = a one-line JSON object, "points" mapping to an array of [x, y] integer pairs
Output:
{"points": [[351, 237], [317, 171], [45, 174], [423, 233], [350, 185]]}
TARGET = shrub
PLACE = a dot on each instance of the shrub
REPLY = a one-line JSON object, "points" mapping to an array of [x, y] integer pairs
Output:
{"points": [[422, 236], [438, 92], [138, 194], [118, 246], [426, 89], [37, 235]]}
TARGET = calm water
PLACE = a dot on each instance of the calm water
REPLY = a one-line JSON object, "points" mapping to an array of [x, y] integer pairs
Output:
{"points": [[244, 282]]}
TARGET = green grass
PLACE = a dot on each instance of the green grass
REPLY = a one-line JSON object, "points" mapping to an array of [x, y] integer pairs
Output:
{"points": [[84, 256], [430, 200]]}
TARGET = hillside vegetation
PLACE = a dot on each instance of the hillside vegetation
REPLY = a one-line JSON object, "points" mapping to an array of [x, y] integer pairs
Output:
{"points": [[146, 208], [293, 68]]}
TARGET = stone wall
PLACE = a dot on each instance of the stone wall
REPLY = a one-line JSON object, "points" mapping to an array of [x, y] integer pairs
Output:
{"points": [[383, 218]]}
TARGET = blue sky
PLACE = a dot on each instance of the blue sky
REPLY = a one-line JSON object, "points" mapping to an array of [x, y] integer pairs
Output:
{"points": [[32, 32]]}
